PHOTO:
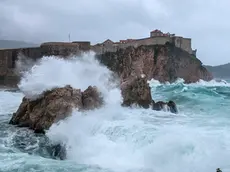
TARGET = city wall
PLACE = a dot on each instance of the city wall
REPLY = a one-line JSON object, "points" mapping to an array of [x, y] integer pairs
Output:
{"points": [[8, 57], [147, 41], [183, 43], [109, 46]]}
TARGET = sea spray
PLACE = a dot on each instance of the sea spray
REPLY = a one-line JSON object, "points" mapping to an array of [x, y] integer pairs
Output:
{"points": [[23, 64], [118, 139], [77, 71]]}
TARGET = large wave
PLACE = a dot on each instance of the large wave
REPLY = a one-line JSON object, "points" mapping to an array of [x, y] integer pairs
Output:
{"points": [[79, 72], [123, 139]]}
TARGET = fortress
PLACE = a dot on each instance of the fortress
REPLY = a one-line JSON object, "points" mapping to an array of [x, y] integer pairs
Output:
{"points": [[8, 57], [156, 37]]}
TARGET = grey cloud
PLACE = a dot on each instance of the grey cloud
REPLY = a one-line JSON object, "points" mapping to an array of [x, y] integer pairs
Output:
{"points": [[37, 21]]}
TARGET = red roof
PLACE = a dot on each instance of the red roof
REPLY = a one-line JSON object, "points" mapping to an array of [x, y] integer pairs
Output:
{"points": [[156, 30]]}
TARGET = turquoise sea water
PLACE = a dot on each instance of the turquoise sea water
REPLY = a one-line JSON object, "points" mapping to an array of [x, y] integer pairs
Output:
{"points": [[117, 139]]}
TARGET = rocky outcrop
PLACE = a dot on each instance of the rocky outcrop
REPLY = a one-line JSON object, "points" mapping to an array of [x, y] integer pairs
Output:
{"points": [[54, 105], [91, 98], [169, 106], [161, 62], [136, 91]]}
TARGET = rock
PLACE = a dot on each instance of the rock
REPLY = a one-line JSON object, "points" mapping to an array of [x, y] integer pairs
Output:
{"points": [[170, 106], [136, 91], [161, 62], [158, 106], [53, 106], [57, 151], [91, 98]]}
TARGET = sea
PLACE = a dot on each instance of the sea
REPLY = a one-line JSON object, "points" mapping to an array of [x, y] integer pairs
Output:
{"points": [[115, 138]]}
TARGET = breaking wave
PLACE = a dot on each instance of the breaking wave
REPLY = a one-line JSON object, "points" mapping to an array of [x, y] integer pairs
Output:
{"points": [[118, 139]]}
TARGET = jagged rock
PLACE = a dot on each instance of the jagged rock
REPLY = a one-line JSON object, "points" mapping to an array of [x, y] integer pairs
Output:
{"points": [[161, 62], [136, 91], [53, 106], [91, 98], [172, 106], [160, 105]]}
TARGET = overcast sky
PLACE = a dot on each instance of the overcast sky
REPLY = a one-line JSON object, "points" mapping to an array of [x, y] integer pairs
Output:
{"points": [[205, 21]]}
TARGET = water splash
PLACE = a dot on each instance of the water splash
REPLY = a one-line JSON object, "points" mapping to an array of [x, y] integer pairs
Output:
{"points": [[77, 71], [118, 139]]}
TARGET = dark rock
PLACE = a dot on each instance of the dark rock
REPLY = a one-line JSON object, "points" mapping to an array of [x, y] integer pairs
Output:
{"points": [[172, 106], [160, 105], [39, 131], [24, 124]]}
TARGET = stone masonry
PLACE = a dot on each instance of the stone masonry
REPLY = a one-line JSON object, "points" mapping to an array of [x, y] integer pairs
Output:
{"points": [[156, 37], [8, 57]]}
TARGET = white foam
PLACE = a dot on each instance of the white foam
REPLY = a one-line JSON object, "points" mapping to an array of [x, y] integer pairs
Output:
{"points": [[79, 72], [213, 83], [126, 139]]}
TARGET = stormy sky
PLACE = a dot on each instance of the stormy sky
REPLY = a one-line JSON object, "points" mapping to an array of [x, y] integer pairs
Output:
{"points": [[205, 21]]}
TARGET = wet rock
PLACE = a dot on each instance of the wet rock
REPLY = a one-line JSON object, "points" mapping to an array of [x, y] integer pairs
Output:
{"points": [[53, 106], [136, 91], [57, 151], [166, 106], [172, 106], [158, 106], [39, 130], [91, 98]]}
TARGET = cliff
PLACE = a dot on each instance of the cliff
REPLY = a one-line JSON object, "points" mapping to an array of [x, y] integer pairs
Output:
{"points": [[161, 62], [221, 71]]}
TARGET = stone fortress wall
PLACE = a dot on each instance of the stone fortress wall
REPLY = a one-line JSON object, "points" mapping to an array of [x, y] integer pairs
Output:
{"points": [[8, 57], [156, 37]]}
